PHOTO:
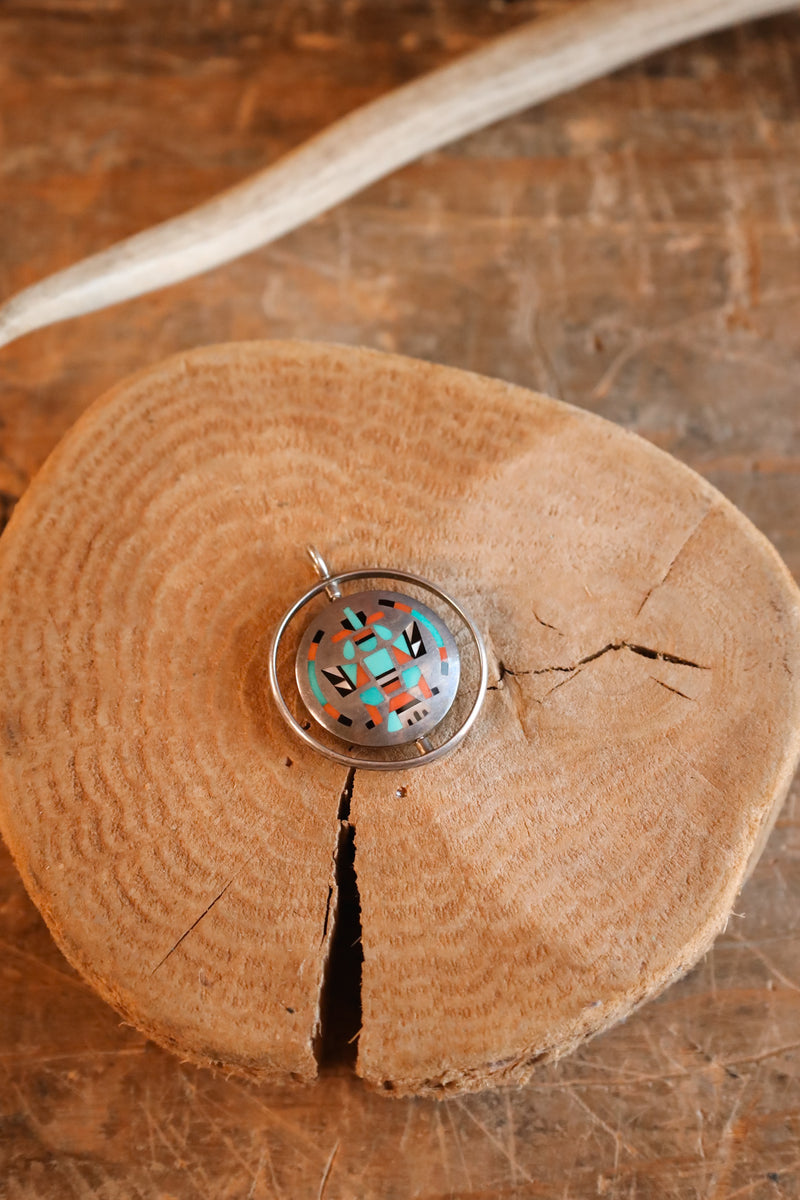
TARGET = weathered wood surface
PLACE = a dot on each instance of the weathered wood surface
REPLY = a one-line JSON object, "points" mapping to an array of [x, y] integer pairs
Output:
{"points": [[633, 248]]}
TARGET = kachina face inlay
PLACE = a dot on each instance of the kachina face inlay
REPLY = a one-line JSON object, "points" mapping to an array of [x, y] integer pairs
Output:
{"points": [[378, 668]]}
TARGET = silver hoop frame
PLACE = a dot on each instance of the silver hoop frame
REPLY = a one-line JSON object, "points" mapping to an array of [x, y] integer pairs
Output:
{"points": [[331, 582]]}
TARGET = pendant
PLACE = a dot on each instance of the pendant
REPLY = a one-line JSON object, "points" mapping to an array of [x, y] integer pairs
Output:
{"points": [[381, 669]]}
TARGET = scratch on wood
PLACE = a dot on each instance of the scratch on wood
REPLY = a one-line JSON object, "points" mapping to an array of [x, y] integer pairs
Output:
{"points": [[763, 958], [693, 767], [445, 1157], [303, 1142], [690, 535], [726, 1148], [257, 1173], [80, 1056], [193, 925], [612, 1133], [743, 260], [685, 329], [466, 1109], [511, 1134], [40, 965], [204, 913], [326, 1174]]}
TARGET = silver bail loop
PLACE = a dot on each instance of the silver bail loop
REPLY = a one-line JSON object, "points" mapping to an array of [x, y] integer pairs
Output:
{"points": [[332, 589]]}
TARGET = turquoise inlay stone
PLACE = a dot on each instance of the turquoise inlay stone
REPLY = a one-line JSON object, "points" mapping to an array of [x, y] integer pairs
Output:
{"points": [[379, 663], [345, 662], [411, 676], [437, 637], [316, 689], [352, 618]]}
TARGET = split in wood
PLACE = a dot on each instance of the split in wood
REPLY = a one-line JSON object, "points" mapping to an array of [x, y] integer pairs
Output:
{"points": [[644, 651], [336, 1043]]}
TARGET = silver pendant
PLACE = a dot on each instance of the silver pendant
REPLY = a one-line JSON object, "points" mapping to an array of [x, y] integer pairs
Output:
{"points": [[381, 669]]}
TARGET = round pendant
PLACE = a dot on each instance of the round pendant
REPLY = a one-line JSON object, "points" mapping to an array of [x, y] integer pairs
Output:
{"points": [[381, 669], [378, 668]]}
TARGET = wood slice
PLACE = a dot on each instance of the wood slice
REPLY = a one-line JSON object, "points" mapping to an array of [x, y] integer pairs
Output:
{"points": [[580, 851]]}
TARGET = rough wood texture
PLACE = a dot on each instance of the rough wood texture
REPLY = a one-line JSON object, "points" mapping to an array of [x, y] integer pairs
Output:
{"points": [[631, 248], [580, 851]]}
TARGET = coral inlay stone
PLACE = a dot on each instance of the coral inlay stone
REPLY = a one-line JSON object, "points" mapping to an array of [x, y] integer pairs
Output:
{"points": [[378, 668]]}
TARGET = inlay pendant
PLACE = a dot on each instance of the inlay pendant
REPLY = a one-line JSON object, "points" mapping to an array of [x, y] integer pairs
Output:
{"points": [[381, 668]]}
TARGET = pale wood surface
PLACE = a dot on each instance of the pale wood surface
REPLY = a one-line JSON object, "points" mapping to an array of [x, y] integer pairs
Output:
{"points": [[632, 248], [580, 851]]}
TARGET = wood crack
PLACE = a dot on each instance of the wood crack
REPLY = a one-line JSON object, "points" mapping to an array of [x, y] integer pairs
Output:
{"points": [[546, 624], [610, 647], [336, 1040], [677, 691], [8, 502]]}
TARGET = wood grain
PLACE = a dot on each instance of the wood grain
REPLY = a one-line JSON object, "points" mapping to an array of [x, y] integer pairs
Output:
{"points": [[581, 851], [631, 248]]}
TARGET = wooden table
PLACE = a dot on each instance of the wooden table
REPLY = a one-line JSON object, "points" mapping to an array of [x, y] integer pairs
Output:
{"points": [[632, 248]]}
